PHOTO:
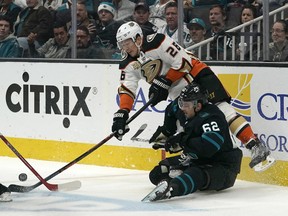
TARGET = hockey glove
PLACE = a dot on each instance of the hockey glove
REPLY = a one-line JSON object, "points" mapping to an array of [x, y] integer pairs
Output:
{"points": [[160, 135], [159, 89], [119, 123], [173, 143]]}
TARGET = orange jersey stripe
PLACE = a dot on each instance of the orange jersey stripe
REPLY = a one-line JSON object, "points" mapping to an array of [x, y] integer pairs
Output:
{"points": [[174, 75], [198, 66], [126, 102]]}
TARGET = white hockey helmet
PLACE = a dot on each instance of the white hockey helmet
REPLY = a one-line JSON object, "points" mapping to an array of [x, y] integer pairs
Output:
{"points": [[128, 30]]}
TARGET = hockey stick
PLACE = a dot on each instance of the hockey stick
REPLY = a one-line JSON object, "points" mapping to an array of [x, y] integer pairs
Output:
{"points": [[156, 146], [138, 132], [22, 189], [52, 187]]}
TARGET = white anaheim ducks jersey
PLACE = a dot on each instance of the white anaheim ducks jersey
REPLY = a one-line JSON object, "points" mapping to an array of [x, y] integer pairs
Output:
{"points": [[159, 53], [187, 40]]}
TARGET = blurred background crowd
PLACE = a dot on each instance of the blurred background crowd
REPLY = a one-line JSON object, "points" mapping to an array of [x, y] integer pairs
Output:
{"points": [[211, 29]]}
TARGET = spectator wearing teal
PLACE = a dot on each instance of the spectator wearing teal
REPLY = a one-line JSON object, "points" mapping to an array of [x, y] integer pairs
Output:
{"points": [[197, 29], [9, 47]]}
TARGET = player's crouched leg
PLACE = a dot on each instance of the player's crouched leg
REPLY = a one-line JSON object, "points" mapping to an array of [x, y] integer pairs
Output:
{"points": [[196, 178], [159, 172], [191, 180], [219, 178], [162, 170]]}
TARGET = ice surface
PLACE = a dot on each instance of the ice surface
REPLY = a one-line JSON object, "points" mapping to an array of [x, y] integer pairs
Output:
{"points": [[117, 192]]}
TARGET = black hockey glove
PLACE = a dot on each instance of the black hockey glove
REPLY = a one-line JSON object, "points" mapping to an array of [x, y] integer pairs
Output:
{"points": [[173, 143], [160, 135], [119, 123], [159, 89], [159, 138]]}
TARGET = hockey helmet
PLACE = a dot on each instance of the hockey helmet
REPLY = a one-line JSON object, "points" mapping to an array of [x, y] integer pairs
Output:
{"points": [[193, 93], [129, 30]]}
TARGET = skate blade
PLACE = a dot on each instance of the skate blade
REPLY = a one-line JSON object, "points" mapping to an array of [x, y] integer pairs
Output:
{"points": [[152, 195], [5, 197], [264, 165]]}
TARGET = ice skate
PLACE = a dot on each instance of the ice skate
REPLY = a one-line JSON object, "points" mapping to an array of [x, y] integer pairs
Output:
{"points": [[5, 194], [161, 192], [260, 156]]}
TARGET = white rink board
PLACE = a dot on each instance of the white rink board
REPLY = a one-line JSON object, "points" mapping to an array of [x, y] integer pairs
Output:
{"points": [[96, 91]]}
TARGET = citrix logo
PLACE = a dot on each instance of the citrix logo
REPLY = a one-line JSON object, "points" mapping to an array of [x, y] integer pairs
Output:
{"points": [[51, 95]]}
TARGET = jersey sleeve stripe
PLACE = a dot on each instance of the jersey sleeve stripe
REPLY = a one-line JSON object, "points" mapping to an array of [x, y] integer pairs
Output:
{"points": [[207, 136]]}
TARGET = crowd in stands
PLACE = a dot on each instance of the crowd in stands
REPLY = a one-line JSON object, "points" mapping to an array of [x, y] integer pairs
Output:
{"points": [[36, 29]]}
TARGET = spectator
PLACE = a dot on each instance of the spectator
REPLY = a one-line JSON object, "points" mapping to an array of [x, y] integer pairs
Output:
{"points": [[217, 18], [107, 28], [8, 8], [57, 47], [141, 16], [123, 8], [278, 49], [84, 20], [9, 47], [34, 23], [197, 29], [171, 28], [85, 48], [157, 12], [250, 33]]}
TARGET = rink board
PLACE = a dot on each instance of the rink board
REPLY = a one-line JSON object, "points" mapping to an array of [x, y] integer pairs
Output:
{"points": [[54, 111]]}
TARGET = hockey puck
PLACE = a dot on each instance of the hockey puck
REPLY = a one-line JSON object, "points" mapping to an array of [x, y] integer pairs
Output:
{"points": [[22, 177]]}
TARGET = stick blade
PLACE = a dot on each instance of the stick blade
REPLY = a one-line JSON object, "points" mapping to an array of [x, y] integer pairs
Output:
{"points": [[69, 186], [20, 188], [139, 131]]}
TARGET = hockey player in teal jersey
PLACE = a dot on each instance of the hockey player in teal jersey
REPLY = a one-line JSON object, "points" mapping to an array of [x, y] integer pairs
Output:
{"points": [[209, 160]]}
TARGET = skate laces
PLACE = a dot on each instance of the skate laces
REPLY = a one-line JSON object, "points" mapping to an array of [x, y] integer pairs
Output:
{"points": [[259, 150], [163, 191], [260, 159]]}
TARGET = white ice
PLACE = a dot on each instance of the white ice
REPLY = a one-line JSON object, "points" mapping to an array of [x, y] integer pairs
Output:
{"points": [[114, 191]]}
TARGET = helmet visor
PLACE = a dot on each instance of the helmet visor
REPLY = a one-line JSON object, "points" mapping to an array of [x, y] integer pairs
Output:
{"points": [[186, 104], [125, 44]]}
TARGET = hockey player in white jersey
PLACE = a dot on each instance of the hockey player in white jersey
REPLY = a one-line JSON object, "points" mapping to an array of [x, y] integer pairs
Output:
{"points": [[168, 67]]}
